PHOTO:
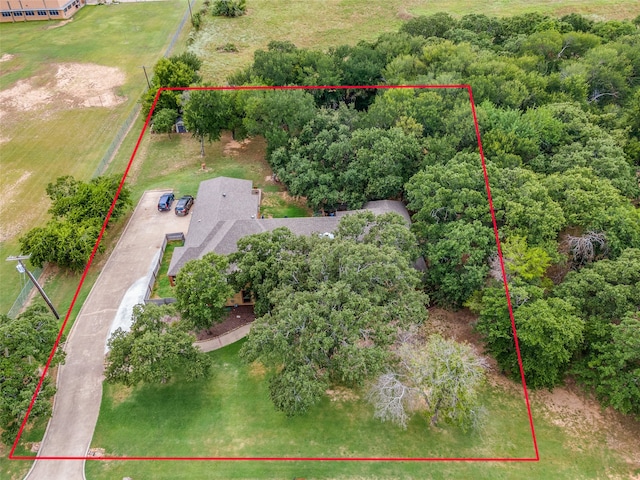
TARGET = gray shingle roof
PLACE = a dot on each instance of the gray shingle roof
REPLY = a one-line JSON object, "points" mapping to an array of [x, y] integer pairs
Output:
{"points": [[218, 222]]}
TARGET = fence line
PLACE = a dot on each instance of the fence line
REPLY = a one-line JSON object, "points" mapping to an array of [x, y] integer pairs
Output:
{"points": [[187, 14], [24, 294], [115, 144], [154, 274]]}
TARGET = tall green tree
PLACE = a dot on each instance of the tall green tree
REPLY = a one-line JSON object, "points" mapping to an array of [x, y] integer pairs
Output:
{"points": [[202, 290], [206, 114], [278, 115], [616, 366], [156, 348], [77, 201], [79, 210], [65, 243], [259, 260], [549, 334], [164, 121], [170, 72], [334, 307]]}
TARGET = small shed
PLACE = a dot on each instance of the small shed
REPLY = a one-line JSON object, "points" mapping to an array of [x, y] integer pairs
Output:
{"points": [[180, 128]]}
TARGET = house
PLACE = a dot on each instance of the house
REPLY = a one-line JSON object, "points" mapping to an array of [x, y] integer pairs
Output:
{"points": [[28, 10], [227, 209]]}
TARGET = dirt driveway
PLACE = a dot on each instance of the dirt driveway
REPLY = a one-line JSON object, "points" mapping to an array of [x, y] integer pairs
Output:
{"points": [[77, 402]]}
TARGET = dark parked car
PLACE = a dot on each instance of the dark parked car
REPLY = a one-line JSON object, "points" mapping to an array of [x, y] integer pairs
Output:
{"points": [[164, 204], [184, 205]]}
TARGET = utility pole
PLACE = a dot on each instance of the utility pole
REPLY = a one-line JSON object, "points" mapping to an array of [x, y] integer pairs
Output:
{"points": [[23, 269], [190, 12], [146, 76]]}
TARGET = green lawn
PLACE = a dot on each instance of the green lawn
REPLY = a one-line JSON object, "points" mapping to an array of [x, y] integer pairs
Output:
{"points": [[54, 140], [175, 162], [231, 416], [275, 205], [162, 287]]}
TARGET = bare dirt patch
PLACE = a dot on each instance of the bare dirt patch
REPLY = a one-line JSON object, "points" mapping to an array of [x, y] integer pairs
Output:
{"points": [[233, 147], [6, 57], [90, 85], [257, 370], [248, 150], [61, 24], [583, 418], [64, 86]]}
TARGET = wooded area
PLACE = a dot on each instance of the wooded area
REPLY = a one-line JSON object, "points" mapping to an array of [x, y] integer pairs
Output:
{"points": [[559, 111]]}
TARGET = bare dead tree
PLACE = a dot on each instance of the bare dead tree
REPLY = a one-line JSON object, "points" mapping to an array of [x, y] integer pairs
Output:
{"points": [[440, 377], [598, 95], [586, 247], [495, 269], [566, 45], [389, 396]]}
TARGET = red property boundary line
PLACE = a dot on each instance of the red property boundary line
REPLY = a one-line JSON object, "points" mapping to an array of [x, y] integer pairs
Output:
{"points": [[467, 87]]}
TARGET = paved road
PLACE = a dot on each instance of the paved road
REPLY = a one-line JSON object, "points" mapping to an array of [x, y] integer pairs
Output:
{"points": [[77, 402]]}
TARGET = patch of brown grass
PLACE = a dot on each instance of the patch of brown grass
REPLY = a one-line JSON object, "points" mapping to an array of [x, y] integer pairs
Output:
{"points": [[120, 393], [257, 370], [342, 394]]}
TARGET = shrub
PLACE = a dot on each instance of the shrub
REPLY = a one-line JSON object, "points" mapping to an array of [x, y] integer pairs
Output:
{"points": [[229, 8]]}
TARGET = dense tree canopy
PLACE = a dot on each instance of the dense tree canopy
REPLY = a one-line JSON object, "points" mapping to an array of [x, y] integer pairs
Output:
{"points": [[557, 102], [332, 306], [549, 334], [616, 366], [79, 210], [25, 346]]}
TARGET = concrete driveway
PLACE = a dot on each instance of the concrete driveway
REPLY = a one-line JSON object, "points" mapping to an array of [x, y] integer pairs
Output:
{"points": [[77, 402]]}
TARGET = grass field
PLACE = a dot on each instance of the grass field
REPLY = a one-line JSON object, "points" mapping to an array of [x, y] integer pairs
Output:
{"points": [[320, 24], [44, 139], [231, 415]]}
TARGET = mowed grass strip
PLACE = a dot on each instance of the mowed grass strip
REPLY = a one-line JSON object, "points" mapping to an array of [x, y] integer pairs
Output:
{"points": [[162, 287], [230, 415], [56, 139]]}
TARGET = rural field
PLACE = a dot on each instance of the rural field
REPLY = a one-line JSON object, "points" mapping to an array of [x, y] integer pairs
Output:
{"points": [[321, 24], [65, 91]]}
